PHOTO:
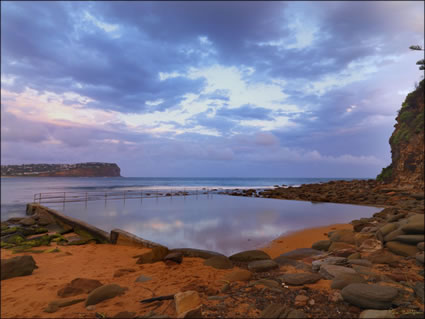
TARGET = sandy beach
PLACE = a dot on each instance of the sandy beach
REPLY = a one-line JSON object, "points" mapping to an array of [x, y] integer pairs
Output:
{"points": [[28, 296]]}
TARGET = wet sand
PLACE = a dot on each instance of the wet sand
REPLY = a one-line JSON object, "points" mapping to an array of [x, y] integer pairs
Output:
{"points": [[28, 296]]}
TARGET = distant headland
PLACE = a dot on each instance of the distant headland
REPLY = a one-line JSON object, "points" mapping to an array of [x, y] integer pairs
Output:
{"points": [[90, 169]]}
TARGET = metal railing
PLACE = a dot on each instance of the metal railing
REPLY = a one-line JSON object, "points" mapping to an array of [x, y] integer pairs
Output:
{"points": [[65, 197]]}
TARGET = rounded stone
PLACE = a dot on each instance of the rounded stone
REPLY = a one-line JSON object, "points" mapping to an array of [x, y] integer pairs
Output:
{"points": [[369, 296], [331, 271], [104, 292], [344, 280], [376, 314], [249, 255], [238, 275], [401, 249], [321, 245], [219, 262], [300, 278], [262, 265], [410, 239]]}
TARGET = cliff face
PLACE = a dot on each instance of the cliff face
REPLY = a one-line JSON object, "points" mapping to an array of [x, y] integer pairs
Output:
{"points": [[407, 144], [91, 169]]}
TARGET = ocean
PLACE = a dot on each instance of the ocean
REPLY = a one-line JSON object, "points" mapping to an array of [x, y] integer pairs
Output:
{"points": [[222, 223]]}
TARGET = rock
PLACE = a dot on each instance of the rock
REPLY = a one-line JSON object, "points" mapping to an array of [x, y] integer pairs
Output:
{"points": [[339, 245], [56, 304], [316, 264], [219, 262], [360, 238], [123, 271], [321, 245], [420, 258], [79, 286], [273, 311], [238, 275], [91, 308], [331, 271], [153, 256], [191, 252], [301, 300], [176, 256], [250, 255], [296, 314], [193, 313], [28, 221], [376, 314], [393, 235], [265, 282], [415, 218], [285, 261], [410, 239], [369, 296], [104, 292], [388, 228], [414, 228], [344, 280], [142, 278], [419, 291], [361, 262], [420, 246], [17, 266], [300, 253], [383, 257], [354, 256], [371, 245], [367, 271], [125, 314], [335, 297], [300, 278], [262, 265], [186, 301], [343, 235], [401, 249]]}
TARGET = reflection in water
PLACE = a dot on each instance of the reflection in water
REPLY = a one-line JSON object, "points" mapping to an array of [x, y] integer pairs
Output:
{"points": [[221, 223]]}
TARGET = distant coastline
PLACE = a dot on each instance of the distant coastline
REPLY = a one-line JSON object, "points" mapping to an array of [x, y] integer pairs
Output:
{"points": [[90, 169]]}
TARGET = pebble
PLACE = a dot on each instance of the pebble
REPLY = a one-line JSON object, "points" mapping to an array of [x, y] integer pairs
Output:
{"points": [[301, 300]]}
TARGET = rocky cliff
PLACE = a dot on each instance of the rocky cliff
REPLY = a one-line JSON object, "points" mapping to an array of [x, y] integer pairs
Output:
{"points": [[407, 144], [92, 169]]}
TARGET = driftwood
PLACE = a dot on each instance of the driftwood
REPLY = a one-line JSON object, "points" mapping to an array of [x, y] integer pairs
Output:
{"points": [[167, 297]]}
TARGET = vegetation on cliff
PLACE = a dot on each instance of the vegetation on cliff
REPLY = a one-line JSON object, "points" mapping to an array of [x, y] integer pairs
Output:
{"points": [[407, 149]]}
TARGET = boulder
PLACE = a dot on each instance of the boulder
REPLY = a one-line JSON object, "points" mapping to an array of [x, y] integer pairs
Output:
{"points": [[410, 239], [79, 286], [299, 279], [339, 245], [176, 257], [321, 245], [28, 221], [104, 292], [420, 246], [301, 253], [123, 271], [393, 235], [331, 271], [262, 265], [186, 301], [328, 261], [343, 235], [153, 256], [413, 228], [219, 262], [200, 253], [371, 245], [376, 314], [401, 249], [343, 280], [383, 257], [143, 278], [238, 275], [273, 311], [371, 296], [56, 304], [388, 228], [361, 262], [17, 266], [249, 255]]}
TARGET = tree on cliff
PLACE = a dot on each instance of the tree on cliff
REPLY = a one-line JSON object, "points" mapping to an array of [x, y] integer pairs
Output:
{"points": [[421, 63]]}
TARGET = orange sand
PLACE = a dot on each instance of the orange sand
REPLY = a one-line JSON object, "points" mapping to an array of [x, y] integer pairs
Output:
{"points": [[28, 296], [301, 239]]}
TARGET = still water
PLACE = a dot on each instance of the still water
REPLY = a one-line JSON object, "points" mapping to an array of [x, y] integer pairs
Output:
{"points": [[226, 224]]}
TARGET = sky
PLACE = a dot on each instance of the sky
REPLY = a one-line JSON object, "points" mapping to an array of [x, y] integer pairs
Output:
{"points": [[207, 89]]}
